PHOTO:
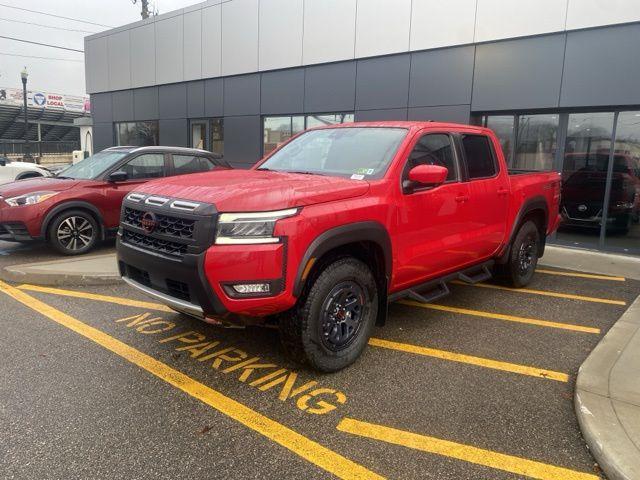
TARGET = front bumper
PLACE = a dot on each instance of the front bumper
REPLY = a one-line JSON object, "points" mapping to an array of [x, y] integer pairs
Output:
{"points": [[15, 232]]}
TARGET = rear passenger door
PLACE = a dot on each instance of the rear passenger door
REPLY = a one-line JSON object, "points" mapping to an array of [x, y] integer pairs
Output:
{"points": [[488, 201]]}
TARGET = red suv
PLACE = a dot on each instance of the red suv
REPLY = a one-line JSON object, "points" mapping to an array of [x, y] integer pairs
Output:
{"points": [[81, 205]]}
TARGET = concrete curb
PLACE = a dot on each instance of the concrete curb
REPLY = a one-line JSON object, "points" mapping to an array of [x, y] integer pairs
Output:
{"points": [[591, 261], [73, 271], [607, 398]]}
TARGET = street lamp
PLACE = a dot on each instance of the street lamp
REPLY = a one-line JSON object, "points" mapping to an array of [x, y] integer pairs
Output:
{"points": [[27, 154]]}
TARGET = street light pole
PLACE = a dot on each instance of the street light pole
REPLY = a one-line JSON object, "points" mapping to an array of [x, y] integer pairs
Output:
{"points": [[27, 153]]}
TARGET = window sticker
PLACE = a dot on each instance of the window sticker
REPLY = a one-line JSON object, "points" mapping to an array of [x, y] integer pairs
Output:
{"points": [[356, 176]]}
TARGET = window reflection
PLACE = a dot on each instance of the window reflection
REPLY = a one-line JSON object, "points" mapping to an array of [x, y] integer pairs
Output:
{"points": [[584, 176], [217, 135], [624, 200], [502, 126], [137, 134], [536, 142], [328, 119]]}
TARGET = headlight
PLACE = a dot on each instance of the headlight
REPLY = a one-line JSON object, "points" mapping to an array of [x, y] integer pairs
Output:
{"points": [[29, 198], [246, 228]]}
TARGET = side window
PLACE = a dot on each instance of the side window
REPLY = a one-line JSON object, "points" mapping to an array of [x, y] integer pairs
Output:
{"points": [[477, 151], [150, 165], [434, 149], [183, 164]]}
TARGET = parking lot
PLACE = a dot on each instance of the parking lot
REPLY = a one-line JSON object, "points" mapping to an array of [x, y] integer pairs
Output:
{"points": [[101, 382]]}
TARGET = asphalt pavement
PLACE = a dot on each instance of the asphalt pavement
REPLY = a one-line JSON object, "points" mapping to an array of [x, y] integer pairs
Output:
{"points": [[101, 382]]}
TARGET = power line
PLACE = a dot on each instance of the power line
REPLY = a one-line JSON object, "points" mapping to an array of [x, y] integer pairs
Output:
{"points": [[56, 16], [42, 44], [45, 26], [42, 58]]}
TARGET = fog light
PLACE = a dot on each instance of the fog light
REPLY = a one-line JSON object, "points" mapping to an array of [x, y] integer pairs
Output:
{"points": [[245, 288]]}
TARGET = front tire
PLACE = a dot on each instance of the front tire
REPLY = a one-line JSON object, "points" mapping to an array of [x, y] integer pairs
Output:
{"points": [[73, 232], [333, 322], [523, 257]]}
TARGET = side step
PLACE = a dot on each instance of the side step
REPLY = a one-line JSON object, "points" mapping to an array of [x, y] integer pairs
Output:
{"points": [[438, 288], [438, 291], [481, 276]]}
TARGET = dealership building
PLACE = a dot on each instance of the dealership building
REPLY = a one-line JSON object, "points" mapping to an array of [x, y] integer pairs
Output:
{"points": [[557, 80]]}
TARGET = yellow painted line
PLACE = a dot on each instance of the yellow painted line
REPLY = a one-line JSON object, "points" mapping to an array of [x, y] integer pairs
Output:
{"points": [[545, 293], [306, 448], [581, 275], [460, 451], [94, 296], [470, 360], [500, 316]]}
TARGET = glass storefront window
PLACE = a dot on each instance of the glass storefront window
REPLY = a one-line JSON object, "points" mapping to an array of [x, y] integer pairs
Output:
{"points": [[199, 135], [584, 176], [328, 119], [137, 134], [277, 130], [503, 127], [623, 232], [536, 142], [217, 136]]}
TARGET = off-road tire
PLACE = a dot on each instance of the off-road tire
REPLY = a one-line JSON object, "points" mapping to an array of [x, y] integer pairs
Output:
{"points": [[77, 217], [301, 330], [526, 243]]}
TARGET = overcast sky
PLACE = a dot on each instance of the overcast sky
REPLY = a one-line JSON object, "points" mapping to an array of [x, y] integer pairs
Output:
{"points": [[63, 71]]}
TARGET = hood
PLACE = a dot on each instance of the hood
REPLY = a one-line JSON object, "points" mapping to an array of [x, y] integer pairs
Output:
{"points": [[39, 184], [255, 190]]}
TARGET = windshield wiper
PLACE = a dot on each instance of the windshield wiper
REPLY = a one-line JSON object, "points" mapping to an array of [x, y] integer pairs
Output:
{"points": [[304, 172], [63, 177]]}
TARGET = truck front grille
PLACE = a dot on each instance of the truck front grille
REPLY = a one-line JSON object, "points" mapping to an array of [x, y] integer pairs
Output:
{"points": [[146, 242], [167, 225]]}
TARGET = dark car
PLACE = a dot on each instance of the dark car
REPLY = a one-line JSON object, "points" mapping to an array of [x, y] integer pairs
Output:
{"points": [[584, 186], [80, 206]]}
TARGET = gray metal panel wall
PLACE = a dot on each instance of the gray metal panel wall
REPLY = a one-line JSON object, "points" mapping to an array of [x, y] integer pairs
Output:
{"points": [[101, 108], [242, 140], [173, 132], [441, 77], [242, 95], [173, 100], [122, 104], [102, 136], [379, 115], [602, 67], [145, 103], [383, 83], [195, 99], [282, 92], [214, 97], [518, 74], [442, 113], [330, 88]]}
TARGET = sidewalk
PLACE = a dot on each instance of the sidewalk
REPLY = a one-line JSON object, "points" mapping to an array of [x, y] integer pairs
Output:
{"points": [[607, 398], [591, 261], [70, 271]]}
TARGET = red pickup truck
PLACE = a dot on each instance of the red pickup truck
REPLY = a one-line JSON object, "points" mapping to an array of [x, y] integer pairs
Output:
{"points": [[322, 233]]}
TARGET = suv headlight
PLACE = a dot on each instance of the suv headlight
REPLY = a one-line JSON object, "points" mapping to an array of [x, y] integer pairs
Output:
{"points": [[248, 228], [29, 198]]}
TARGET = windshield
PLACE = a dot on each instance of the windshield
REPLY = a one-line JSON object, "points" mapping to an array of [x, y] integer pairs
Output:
{"points": [[357, 152], [91, 167]]}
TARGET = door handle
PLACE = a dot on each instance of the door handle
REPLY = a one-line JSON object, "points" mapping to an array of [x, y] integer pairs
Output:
{"points": [[503, 192], [462, 198]]}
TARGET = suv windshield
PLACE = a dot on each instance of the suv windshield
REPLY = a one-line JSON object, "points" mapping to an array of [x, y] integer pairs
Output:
{"points": [[91, 167], [355, 152]]}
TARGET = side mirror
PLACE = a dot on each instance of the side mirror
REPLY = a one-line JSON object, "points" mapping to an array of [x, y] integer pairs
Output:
{"points": [[118, 176], [428, 175]]}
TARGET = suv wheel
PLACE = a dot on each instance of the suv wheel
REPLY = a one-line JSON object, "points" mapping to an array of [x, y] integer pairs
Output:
{"points": [[333, 322], [73, 232], [523, 257]]}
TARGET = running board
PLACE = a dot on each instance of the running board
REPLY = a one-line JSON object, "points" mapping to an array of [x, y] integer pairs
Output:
{"points": [[481, 276], [438, 288]]}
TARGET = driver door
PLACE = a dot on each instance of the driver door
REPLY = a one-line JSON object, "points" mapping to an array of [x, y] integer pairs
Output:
{"points": [[431, 220], [139, 170]]}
